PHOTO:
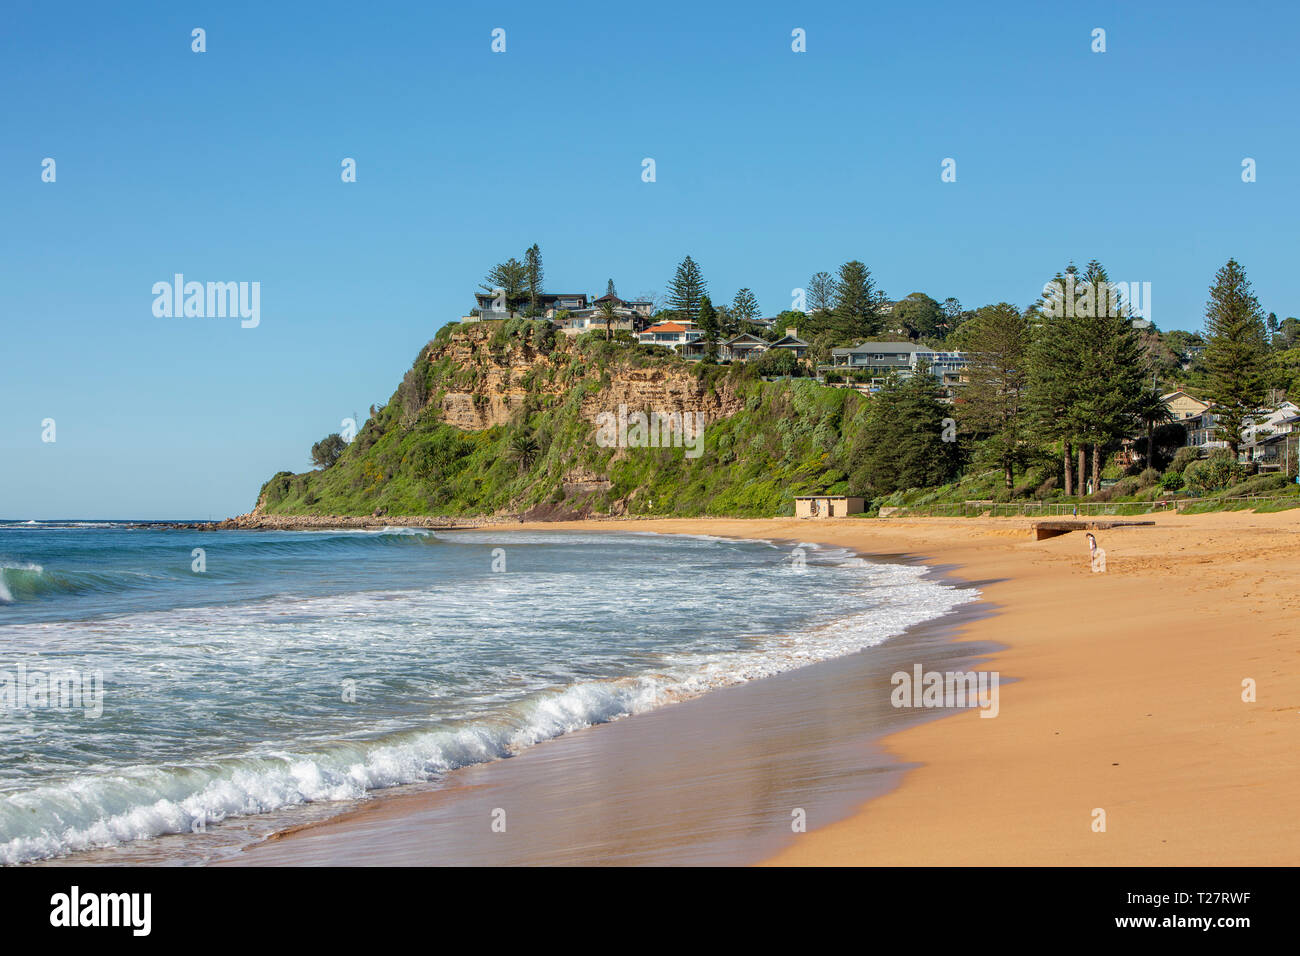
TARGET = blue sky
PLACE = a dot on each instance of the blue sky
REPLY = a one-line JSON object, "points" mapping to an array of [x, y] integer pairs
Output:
{"points": [[771, 165]]}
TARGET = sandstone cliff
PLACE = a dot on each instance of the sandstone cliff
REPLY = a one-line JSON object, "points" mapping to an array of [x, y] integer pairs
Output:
{"points": [[505, 375]]}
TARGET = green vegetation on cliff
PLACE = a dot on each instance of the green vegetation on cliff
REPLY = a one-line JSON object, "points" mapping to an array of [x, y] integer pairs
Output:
{"points": [[538, 394]]}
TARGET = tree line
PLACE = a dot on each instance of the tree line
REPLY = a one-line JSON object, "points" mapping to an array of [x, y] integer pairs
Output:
{"points": [[1081, 380]]}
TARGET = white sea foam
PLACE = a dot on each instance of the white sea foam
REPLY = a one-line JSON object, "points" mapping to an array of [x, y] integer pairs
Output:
{"points": [[86, 810]]}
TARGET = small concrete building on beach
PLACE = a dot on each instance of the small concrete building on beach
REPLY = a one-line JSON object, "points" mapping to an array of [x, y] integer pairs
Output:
{"points": [[828, 506]]}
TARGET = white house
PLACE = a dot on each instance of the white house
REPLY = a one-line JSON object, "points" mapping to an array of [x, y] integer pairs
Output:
{"points": [[1275, 422], [672, 334]]}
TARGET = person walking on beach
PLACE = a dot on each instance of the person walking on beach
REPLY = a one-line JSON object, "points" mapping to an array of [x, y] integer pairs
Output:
{"points": [[1096, 555]]}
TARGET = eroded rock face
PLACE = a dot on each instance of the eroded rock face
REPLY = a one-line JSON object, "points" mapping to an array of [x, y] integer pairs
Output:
{"points": [[661, 390], [499, 389], [474, 411], [580, 480]]}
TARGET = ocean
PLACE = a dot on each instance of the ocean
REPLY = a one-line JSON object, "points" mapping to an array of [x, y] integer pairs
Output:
{"points": [[172, 688]]}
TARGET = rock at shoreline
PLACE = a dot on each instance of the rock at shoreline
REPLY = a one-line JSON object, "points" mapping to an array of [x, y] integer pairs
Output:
{"points": [[265, 522]]}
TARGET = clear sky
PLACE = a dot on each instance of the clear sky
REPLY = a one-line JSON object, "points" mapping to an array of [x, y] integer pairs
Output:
{"points": [[770, 165]]}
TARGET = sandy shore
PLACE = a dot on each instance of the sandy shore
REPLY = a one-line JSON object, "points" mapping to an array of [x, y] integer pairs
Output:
{"points": [[1129, 701], [1127, 698]]}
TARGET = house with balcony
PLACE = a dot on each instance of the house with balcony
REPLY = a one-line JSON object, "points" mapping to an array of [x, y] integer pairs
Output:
{"points": [[744, 347], [548, 302], [673, 335], [1276, 421], [1263, 425], [877, 360], [591, 320], [642, 307], [630, 315], [1271, 441], [1200, 431], [948, 367], [1273, 453], [793, 343]]}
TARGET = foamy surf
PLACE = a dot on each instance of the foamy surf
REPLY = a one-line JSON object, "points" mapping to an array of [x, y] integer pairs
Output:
{"points": [[519, 696]]}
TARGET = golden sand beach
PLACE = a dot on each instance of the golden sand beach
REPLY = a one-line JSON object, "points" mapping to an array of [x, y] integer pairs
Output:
{"points": [[1122, 692], [1128, 698]]}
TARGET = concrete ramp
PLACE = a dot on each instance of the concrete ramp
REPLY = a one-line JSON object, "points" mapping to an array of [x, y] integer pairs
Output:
{"points": [[1050, 529]]}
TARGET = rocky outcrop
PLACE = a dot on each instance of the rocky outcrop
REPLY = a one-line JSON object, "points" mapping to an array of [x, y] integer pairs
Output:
{"points": [[580, 480], [663, 390], [503, 376], [256, 521]]}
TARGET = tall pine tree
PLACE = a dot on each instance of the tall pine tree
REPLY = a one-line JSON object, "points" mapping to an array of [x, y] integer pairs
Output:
{"points": [[901, 444], [1235, 359], [820, 295], [708, 319], [1088, 368], [1113, 366], [744, 308], [995, 398], [1054, 386], [857, 303], [686, 289], [533, 265]]}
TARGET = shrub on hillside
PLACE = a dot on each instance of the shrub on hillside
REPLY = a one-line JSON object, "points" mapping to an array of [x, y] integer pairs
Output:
{"points": [[1214, 473], [1112, 468], [777, 362], [327, 451], [1024, 488], [542, 336], [1125, 487], [277, 488], [414, 390], [1172, 480], [1184, 457], [1261, 484]]}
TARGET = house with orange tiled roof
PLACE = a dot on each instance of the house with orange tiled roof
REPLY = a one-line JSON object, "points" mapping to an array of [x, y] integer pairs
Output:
{"points": [[673, 334]]}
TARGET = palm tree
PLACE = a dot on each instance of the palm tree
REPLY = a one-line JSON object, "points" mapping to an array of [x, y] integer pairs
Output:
{"points": [[523, 449], [609, 315], [1152, 412]]}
